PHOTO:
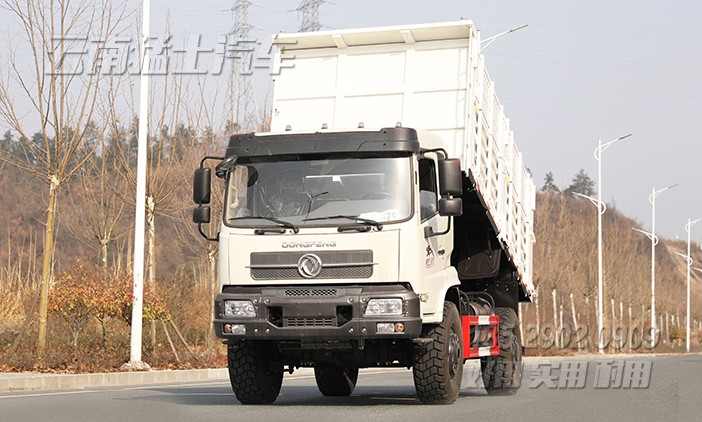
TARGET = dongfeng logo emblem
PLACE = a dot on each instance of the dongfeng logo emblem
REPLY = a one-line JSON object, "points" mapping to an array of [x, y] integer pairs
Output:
{"points": [[309, 265]]}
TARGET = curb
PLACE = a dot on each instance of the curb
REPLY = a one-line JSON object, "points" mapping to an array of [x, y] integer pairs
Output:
{"points": [[36, 381], [29, 381]]}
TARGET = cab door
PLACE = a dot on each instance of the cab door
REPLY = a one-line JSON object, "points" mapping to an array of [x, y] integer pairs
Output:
{"points": [[435, 245]]}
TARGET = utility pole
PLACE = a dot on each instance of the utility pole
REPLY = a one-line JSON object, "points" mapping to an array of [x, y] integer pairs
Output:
{"points": [[310, 15], [240, 83], [135, 362], [654, 241], [600, 286], [688, 260]]}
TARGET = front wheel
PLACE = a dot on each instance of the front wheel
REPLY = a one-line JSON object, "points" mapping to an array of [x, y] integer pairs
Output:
{"points": [[438, 366], [502, 374], [334, 381], [253, 372]]}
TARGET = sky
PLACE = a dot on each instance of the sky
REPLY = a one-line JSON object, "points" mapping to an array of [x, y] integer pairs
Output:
{"points": [[580, 71]]}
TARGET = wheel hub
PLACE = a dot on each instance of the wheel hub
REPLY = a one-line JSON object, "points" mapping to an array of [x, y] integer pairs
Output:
{"points": [[454, 354]]}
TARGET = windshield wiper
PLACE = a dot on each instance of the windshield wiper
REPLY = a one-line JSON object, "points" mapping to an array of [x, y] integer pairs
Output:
{"points": [[281, 223], [356, 218]]}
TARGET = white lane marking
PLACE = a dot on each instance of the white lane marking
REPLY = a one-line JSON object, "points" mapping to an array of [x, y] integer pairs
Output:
{"points": [[60, 393], [147, 387]]}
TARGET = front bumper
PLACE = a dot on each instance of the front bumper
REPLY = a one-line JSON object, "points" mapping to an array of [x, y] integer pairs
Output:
{"points": [[317, 313]]}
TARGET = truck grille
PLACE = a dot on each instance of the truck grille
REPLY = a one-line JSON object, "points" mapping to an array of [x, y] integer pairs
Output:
{"points": [[310, 322], [335, 265], [309, 292]]}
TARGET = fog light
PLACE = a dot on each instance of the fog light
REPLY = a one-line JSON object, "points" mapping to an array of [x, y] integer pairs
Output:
{"points": [[385, 328], [234, 329], [399, 327]]}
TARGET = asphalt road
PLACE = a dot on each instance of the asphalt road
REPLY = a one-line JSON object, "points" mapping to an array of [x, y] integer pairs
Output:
{"points": [[552, 390]]}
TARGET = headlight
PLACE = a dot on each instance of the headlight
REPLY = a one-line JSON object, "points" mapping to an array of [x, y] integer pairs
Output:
{"points": [[239, 308], [381, 307]]}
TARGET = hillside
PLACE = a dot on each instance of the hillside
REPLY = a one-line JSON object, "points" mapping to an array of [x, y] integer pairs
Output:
{"points": [[565, 260]]}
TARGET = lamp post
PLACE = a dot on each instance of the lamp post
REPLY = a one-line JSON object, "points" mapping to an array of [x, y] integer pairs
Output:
{"points": [[487, 41], [654, 242], [652, 200], [138, 287], [688, 259], [601, 207]]}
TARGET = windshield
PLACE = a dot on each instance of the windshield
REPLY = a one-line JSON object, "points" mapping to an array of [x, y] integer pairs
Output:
{"points": [[340, 191]]}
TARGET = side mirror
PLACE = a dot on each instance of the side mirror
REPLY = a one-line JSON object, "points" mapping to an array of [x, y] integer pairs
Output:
{"points": [[452, 207], [201, 215], [201, 186], [225, 166], [450, 177]]}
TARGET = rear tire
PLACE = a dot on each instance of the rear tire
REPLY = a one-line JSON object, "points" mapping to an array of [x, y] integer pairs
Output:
{"points": [[334, 381], [502, 374], [255, 376], [438, 366]]}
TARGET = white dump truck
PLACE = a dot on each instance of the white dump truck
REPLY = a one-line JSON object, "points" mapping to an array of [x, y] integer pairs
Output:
{"points": [[386, 220]]}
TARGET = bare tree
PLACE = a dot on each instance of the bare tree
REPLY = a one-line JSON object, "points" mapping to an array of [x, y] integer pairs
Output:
{"points": [[167, 148], [99, 209], [60, 100]]}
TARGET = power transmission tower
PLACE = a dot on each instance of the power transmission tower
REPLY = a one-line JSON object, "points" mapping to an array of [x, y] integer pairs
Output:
{"points": [[310, 15], [240, 81]]}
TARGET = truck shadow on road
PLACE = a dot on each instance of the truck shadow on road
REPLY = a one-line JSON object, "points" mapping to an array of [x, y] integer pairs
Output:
{"points": [[296, 396]]}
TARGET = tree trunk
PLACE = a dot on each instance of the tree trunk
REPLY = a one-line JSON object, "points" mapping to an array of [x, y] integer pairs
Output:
{"points": [[103, 252], [103, 327], [667, 326], [561, 331], [170, 342], [538, 317], [46, 269], [150, 208], [631, 327], [75, 345], [151, 266], [575, 321], [555, 317], [588, 322], [621, 314]]}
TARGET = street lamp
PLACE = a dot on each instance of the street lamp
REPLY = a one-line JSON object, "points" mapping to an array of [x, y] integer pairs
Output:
{"points": [[688, 259], [654, 242], [652, 200], [601, 207], [487, 41], [135, 361]]}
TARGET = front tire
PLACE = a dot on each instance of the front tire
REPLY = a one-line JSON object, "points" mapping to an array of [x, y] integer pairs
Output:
{"points": [[502, 374], [254, 375], [438, 366], [334, 381]]}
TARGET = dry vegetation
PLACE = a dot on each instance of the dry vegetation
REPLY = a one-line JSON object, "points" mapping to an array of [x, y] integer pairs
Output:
{"points": [[565, 262]]}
